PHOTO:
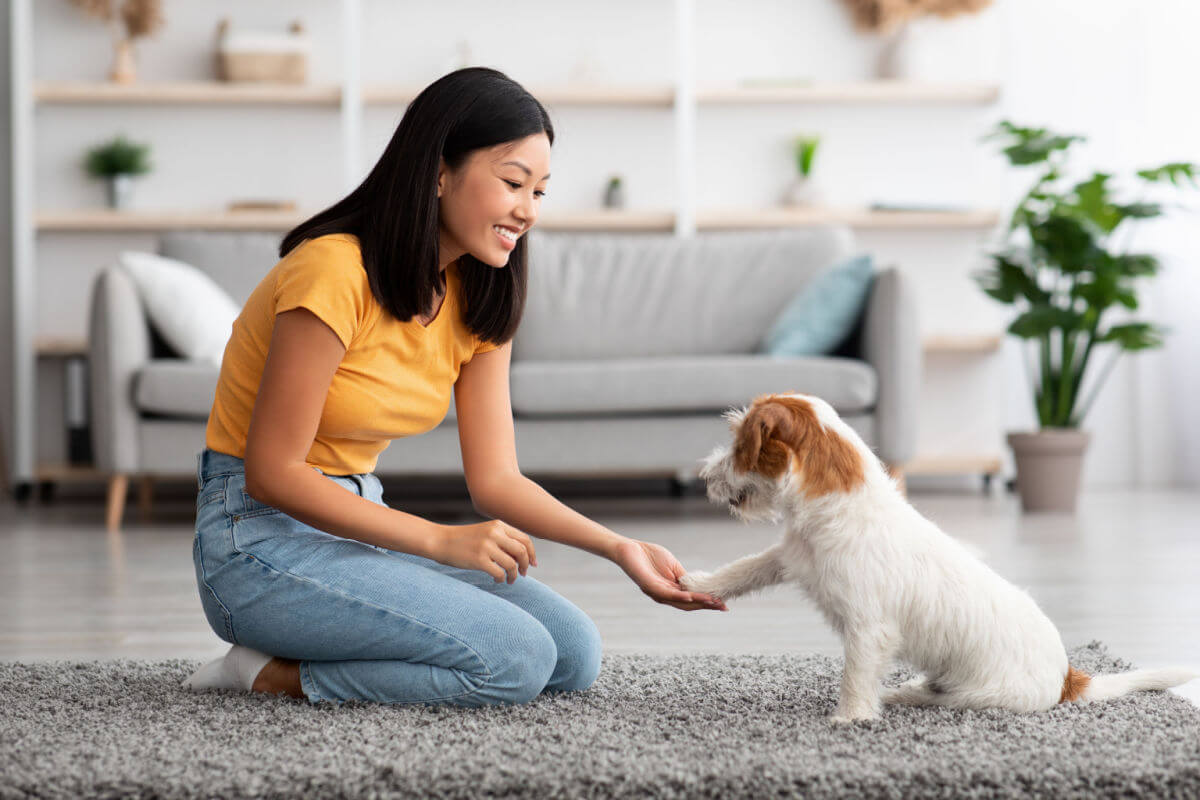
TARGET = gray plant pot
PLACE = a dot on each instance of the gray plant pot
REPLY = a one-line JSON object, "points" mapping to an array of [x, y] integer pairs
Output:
{"points": [[1049, 463], [120, 191]]}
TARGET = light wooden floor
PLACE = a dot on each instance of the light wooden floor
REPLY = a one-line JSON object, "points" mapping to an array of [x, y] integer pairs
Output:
{"points": [[1125, 570]]}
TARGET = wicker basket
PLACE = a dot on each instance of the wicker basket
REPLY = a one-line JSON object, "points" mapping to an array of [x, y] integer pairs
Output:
{"points": [[271, 58]]}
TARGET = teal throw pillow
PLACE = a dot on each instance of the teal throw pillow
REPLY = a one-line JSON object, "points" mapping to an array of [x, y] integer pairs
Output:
{"points": [[823, 313]]}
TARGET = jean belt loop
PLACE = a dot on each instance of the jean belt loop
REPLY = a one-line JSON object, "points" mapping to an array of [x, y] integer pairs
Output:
{"points": [[200, 470]]}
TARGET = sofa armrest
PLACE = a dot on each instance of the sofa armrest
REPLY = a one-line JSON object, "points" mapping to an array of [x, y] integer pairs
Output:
{"points": [[891, 343], [118, 346]]}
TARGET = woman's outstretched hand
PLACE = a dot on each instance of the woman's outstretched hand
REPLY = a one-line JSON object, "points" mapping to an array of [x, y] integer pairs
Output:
{"points": [[657, 573]]}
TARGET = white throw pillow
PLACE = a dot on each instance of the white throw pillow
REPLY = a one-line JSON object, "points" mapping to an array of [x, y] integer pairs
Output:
{"points": [[192, 313]]}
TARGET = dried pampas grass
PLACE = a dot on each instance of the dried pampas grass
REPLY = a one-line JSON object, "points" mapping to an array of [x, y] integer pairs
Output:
{"points": [[883, 15], [140, 17]]}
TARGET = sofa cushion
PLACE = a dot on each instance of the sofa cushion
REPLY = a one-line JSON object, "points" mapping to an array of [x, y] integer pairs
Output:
{"points": [[824, 313], [236, 260], [192, 314], [684, 383], [175, 387], [602, 296]]}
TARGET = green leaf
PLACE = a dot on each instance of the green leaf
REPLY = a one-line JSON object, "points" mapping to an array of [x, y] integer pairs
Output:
{"points": [[1175, 172], [1134, 336], [1008, 280], [1037, 322], [1065, 242]]}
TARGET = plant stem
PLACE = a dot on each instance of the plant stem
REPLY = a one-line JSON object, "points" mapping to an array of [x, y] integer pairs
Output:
{"points": [[1108, 367], [1043, 398]]}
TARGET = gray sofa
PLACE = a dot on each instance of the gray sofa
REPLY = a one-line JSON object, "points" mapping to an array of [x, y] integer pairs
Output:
{"points": [[631, 347]]}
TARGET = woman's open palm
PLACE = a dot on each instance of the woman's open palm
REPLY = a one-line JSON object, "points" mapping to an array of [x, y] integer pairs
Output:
{"points": [[657, 573]]}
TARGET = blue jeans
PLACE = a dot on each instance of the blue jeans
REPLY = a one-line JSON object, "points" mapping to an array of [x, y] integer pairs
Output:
{"points": [[368, 623]]}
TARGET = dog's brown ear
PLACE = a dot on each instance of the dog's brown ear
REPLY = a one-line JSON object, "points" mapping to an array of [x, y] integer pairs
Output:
{"points": [[777, 427], [758, 446]]}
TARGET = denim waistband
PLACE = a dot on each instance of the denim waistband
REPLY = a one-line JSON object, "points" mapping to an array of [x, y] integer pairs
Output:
{"points": [[210, 464]]}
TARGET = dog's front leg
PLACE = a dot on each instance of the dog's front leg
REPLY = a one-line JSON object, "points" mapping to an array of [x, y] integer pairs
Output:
{"points": [[739, 577], [868, 653]]}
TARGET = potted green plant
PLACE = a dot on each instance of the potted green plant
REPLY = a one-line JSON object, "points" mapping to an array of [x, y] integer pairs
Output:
{"points": [[117, 162], [801, 191], [1059, 266]]}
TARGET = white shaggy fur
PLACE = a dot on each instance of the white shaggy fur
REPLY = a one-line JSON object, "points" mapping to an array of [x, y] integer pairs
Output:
{"points": [[893, 585]]}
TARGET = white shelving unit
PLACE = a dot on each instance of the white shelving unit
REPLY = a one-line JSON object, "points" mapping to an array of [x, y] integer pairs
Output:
{"points": [[348, 98]]}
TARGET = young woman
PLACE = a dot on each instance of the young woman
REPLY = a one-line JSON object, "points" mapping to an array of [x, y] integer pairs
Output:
{"points": [[412, 285]]}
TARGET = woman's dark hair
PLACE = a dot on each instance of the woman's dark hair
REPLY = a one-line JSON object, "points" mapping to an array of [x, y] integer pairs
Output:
{"points": [[394, 212]]}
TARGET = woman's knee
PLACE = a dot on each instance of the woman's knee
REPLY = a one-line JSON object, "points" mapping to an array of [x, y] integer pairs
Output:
{"points": [[521, 671], [579, 652]]}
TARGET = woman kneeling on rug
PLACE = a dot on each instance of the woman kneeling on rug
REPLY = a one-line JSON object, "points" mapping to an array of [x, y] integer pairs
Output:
{"points": [[412, 285]]}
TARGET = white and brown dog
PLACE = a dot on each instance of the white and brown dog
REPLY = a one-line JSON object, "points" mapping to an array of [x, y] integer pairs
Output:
{"points": [[890, 582]]}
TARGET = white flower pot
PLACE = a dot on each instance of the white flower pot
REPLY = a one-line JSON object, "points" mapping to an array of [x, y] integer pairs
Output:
{"points": [[120, 191], [803, 192]]}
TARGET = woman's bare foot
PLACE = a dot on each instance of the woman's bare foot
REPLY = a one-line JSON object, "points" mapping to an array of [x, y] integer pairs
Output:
{"points": [[280, 675]]}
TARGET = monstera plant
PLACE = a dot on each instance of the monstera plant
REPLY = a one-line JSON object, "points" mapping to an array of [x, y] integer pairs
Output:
{"points": [[1062, 266]]}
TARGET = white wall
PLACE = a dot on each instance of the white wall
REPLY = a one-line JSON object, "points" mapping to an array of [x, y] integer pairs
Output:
{"points": [[1116, 73]]}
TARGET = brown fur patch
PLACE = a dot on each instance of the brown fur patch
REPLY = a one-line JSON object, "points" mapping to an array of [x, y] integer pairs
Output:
{"points": [[1074, 684], [776, 429]]}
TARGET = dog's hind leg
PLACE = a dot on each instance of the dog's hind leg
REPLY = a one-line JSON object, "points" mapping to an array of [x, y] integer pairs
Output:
{"points": [[915, 692], [868, 653]]}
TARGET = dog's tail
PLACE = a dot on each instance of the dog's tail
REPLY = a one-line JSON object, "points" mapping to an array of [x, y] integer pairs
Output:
{"points": [[1081, 687]]}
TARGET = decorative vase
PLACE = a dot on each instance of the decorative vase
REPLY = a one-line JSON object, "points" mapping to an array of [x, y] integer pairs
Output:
{"points": [[802, 191], [124, 69], [120, 191], [894, 58], [1049, 463]]}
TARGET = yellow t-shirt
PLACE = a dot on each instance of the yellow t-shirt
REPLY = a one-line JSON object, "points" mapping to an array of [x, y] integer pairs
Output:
{"points": [[395, 380]]}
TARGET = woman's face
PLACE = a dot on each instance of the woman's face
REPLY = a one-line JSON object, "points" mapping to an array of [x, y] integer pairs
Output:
{"points": [[492, 199]]}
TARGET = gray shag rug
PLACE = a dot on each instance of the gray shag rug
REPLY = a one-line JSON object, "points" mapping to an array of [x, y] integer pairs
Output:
{"points": [[652, 726]]}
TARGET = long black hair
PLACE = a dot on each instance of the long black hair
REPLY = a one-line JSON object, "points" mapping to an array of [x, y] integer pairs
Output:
{"points": [[394, 212]]}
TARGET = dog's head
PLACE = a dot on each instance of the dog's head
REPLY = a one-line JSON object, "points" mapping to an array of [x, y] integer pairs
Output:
{"points": [[783, 444]]}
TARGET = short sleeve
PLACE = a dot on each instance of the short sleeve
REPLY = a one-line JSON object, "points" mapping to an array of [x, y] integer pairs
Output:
{"points": [[325, 276], [484, 346]]}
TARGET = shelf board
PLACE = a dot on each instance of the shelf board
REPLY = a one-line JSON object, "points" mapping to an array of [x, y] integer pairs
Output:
{"points": [[107, 221], [744, 219], [963, 343], [578, 95], [69, 473], [59, 347], [874, 92], [608, 220], [976, 464], [653, 96], [186, 92]]}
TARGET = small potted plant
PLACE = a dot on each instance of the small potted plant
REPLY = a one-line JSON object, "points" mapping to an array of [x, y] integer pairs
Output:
{"points": [[117, 162], [1059, 266], [614, 193], [801, 191]]}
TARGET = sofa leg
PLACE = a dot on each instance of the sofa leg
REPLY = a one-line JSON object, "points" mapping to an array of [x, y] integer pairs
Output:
{"points": [[145, 495], [897, 473], [118, 485]]}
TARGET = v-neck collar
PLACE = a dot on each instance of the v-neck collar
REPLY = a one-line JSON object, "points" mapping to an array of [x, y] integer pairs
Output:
{"points": [[451, 293]]}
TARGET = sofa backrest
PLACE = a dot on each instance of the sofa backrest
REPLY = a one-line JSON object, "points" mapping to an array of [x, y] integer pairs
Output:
{"points": [[237, 261], [604, 295], [594, 296]]}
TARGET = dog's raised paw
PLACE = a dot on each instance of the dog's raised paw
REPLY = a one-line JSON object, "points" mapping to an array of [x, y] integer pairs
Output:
{"points": [[697, 582]]}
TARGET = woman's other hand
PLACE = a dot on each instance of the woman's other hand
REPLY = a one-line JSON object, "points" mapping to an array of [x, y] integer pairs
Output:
{"points": [[494, 547], [657, 573]]}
